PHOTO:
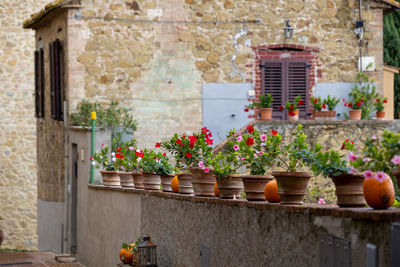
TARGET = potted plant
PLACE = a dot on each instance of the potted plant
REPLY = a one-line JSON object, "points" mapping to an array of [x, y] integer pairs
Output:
{"points": [[125, 159], [379, 107], [330, 163], [203, 178], [225, 165], [150, 165], [258, 152], [292, 108], [109, 174], [328, 103], [165, 171], [292, 182], [264, 105]]}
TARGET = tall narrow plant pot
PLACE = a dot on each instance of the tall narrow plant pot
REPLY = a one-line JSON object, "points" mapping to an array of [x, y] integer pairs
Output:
{"points": [[292, 186], [266, 113], [203, 183], [349, 190], [126, 179], [230, 187], [137, 180], [185, 183], [355, 114], [151, 181], [110, 178], [166, 182], [254, 186]]}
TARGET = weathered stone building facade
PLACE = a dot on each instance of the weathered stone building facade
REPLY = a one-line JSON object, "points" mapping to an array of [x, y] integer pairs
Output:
{"points": [[18, 184], [159, 56]]}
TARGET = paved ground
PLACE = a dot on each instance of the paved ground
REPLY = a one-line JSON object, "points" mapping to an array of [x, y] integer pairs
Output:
{"points": [[33, 259]]}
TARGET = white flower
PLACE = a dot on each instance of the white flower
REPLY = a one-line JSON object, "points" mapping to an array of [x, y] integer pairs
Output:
{"points": [[93, 163], [112, 154], [114, 159], [139, 159]]}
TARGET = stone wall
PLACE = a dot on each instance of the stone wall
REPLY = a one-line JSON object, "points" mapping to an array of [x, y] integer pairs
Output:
{"points": [[236, 233], [18, 187]]}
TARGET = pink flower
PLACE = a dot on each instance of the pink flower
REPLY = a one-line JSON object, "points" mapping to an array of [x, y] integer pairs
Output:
{"points": [[236, 147], [260, 153], [374, 137], [131, 148], [344, 100], [396, 160], [380, 176], [91, 158], [239, 138], [321, 201], [366, 159], [368, 174], [352, 170], [200, 164], [263, 137], [239, 132], [351, 156], [262, 144], [242, 158], [102, 145], [206, 170]]}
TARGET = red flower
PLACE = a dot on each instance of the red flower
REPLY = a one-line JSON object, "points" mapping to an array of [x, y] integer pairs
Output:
{"points": [[315, 101], [246, 110], [119, 156], [250, 129], [345, 104], [165, 154], [250, 141], [362, 100], [140, 154], [158, 144], [323, 106], [192, 139], [274, 132], [118, 149], [179, 142], [359, 104], [301, 102], [377, 100], [350, 105], [281, 108], [209, 141], [385, 101], [291, 113], [188, 155]]}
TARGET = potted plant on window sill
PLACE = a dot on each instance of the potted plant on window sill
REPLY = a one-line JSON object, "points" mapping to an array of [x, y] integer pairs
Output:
{"points": [[109, 175], [379, 106], [348, 185], [292, 108], [292, 183], [258, 152], [328, 103], [264, 106]]}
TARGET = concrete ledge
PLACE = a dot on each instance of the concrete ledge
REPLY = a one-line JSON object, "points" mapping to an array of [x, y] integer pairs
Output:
{"points": [[392, 214]]}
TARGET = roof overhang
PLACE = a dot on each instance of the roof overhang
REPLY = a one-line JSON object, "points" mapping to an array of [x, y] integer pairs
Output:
{"points": [[388, 6], [49, 12]]}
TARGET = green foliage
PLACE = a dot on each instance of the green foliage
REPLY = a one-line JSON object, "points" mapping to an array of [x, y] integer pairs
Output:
{"points": [[331, 102], [391, 52], [316, 103], [101, 160], [151, 162], [329, 163], [265, 102], [379, 104], [129, 162], [293, 106]]}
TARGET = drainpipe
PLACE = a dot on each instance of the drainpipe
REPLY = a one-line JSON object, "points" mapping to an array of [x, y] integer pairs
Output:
{"points": [[361, 34], [67, 182]]}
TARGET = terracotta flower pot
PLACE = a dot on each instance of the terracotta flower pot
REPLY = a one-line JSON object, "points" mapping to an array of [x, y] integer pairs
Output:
{"points": [[324, 115], [126, 179], [110, 178], [293, 115], [349, 190], [292, 186], [151, 181], [166, 182], [355, 114], [203, 183], [185, 183], [137, 180], [265, 113], [380, 115], [254, 186], [230, 187]]}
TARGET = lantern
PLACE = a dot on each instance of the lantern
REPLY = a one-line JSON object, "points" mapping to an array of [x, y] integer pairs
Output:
{"points": [[288, 30], [147, 253]]}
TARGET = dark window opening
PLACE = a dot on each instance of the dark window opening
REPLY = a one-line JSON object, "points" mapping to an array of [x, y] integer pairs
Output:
{"points": [[284, 80], [39, 83], [56, 82]]}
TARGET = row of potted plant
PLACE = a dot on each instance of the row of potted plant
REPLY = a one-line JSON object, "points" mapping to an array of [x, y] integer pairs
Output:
{"points": [[198, 170]]}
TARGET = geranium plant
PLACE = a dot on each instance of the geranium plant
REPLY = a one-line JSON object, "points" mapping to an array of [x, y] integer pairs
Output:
{"points": [[329, 162], [265, 101], [292, 106], [317, 103], [379, 103], [151, 162], [130, 159], [330, 102], [101, 159], [257, 151]]}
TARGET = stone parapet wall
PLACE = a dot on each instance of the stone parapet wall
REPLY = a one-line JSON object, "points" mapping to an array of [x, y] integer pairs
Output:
{"points": [[18, 187], [236, 232]]}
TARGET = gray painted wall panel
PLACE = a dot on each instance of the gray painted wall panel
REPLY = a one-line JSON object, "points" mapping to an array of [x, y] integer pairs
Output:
{"points": [[223, 106], [50, 220]]}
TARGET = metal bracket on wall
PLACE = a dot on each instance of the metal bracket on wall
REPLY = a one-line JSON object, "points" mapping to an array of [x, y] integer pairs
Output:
{"points": [[334, 251], [395, 245]]}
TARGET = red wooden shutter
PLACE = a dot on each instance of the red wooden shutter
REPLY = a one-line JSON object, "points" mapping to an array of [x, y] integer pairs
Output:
{"points": [[272, 82], [297, 82]]}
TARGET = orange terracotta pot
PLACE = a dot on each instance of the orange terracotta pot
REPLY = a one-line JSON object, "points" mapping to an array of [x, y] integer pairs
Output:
{"points": [[203, 183], [380, 115], [324, 115], [110, 178], [265, 113], [355, 114], [292, 186], [349, 190], [293, 115], [254, 186]]}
